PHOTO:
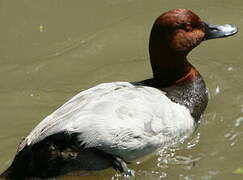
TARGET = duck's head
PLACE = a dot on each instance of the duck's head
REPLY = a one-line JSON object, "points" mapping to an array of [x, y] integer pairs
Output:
{"points": [[174, 34]]}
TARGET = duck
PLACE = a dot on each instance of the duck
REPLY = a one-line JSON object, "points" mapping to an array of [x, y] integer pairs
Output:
{"points": [[115, 123]]}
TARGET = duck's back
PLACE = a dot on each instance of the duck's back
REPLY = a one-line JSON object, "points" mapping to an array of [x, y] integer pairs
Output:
{"points": [[117, 119], [117, 116]]}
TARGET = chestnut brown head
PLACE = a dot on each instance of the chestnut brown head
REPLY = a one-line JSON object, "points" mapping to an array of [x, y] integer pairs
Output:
{"points": [[180, 30], [174, 34]]}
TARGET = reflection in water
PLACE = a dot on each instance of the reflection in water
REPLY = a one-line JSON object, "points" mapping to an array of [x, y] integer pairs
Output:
{"points": [[168, 157], [51, 50]]}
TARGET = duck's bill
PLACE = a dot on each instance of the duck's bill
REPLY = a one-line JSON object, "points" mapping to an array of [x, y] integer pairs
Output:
{"points": [[219, 31]]}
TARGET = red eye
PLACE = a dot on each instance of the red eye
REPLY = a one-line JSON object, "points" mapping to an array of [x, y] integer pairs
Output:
{"points": [[188, 27]]}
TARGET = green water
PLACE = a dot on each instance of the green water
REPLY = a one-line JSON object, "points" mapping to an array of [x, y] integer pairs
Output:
{"points": [[51, 50]]}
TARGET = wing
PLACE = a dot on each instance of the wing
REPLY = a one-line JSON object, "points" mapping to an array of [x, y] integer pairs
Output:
{"points": [[118, 118], [59, 119]]}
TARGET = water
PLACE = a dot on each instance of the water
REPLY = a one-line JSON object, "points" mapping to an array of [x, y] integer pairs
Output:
{"points": [[51, 50]]}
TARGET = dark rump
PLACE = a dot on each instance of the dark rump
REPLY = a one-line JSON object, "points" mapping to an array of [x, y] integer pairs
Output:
{"points": [[56, 155]]}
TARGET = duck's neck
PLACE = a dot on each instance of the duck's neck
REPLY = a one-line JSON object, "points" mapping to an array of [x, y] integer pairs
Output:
{"points": [[168, 67], [182, 83]]}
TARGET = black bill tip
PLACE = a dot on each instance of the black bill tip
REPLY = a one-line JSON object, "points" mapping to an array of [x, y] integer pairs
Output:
{"points": [[219, 31]]}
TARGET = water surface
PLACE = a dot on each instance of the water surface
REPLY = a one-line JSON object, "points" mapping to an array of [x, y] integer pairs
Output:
{"points": [[51, 50]]}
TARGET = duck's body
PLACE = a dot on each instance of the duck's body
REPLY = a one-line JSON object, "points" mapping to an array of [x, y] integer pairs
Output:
{"points": [[119, 118], [112, 123]]}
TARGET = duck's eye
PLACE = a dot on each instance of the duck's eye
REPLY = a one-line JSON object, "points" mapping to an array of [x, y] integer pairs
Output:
{"points": [[186, 26]]}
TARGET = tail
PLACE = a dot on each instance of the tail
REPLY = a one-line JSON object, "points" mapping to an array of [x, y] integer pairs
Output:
{"points": [[54, 156], [5, 174], [25, 164], [46, 159], [14, 173]]}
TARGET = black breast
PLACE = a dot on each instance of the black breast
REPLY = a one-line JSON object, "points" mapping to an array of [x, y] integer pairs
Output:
{"points": [[193, 95]]}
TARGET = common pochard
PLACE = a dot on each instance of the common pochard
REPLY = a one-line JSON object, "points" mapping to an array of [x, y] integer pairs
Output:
{"points": [[114, 123]]}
